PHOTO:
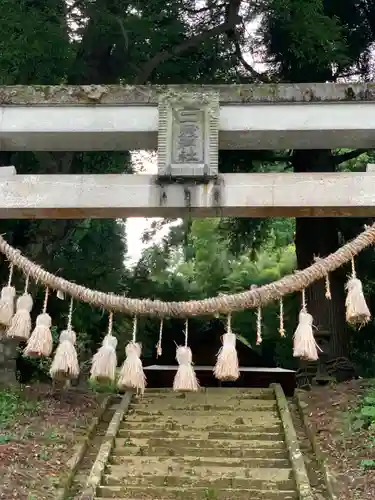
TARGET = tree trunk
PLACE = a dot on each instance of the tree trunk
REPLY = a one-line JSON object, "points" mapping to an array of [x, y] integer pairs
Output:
{"points": [[318, 237], [8, 350]]}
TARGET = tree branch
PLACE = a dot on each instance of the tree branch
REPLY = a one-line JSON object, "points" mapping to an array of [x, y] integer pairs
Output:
{"points": [[350, 155], [234, 37], [201, 10], [257, 76], [230, 23]]}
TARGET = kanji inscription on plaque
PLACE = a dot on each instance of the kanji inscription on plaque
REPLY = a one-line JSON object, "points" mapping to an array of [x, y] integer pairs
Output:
{"points": [[188, 135]]}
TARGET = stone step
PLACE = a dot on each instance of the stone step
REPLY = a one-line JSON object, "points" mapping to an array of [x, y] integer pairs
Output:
{"points": [[167, 493], [197, 425], [211, 391], [199, 397], [205, 408], [139, 461], [155, 411], [172, 468], [209, 477], [199, 434], [176, 451], [239, 417], [173, 443]]}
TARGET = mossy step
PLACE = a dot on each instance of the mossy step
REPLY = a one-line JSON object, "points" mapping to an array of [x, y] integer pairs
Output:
{"points": [[200, 434], [219, 406], [252, 415], [166, 493], [197, 425], [216, 394], [172, 467], [206, 472], [210, 390], [204, 480], [251, 419], [180, 451], [186, 460], [223, 394], [198, 443]]}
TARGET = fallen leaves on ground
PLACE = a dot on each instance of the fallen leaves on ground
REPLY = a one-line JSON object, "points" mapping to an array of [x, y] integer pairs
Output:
{"points": [[38, 432], [330, 410]]}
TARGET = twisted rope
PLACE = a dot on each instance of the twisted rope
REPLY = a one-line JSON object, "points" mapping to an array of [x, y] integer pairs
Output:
{"points": [[224, 304]]}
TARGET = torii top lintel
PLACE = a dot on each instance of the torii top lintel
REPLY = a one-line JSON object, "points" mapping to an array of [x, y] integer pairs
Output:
{"points": [[120, 95], [126, 117]]}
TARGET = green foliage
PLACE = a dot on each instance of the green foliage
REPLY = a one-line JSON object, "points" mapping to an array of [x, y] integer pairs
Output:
{"points": [[34, 44], [368, 464], [364, 417], [313, 40], [13, 405], [109, 388], [203, 265]]}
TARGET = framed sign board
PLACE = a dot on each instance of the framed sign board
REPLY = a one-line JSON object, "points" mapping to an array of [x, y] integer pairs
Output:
{"points": [[188, 136]]}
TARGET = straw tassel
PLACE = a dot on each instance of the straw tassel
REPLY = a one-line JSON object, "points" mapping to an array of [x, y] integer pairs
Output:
{"points": [[305, 346], [20, 325], [357, 311], [65, 363], [159, 350], [41, 343], [104, 362], [8, 294], [259, 326], [328, 288], [131, 374], [281, 314], [185, 378], [328, 295], [227, 367], [259, 320]]}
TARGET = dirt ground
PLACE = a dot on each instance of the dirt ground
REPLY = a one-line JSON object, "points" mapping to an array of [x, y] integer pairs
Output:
{"points": [[38, 430], [331, 410]]}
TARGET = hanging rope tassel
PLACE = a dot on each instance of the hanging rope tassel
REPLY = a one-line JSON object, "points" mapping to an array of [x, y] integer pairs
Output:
{"points": [[185, 378], [305, 346], [328, 295], [357, 311], [259, 326], [328, 288], [65, 363], [259, 320], [281, 314], [159, 350], [131, 374], [41, 343], [8, 294], [104, 362], [20, 325], [227, 367]]}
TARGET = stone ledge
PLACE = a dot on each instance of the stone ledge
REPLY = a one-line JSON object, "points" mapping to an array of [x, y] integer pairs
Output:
{"points": [[50, 95], [329, 479], [295, 455], [105, 449], [81, 449]]}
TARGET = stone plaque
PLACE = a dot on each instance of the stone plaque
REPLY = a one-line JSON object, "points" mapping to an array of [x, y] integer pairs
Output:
{"points": [[188, 134]]}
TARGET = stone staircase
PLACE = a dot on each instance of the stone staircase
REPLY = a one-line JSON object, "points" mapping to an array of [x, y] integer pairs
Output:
{"points": [[218, 444]]}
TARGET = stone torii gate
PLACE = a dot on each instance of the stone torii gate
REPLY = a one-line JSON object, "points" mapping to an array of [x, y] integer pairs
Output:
{"points": [[189, 124]]}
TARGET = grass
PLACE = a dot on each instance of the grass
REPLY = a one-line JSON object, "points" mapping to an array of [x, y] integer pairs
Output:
{"points": [[14, 405]]}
